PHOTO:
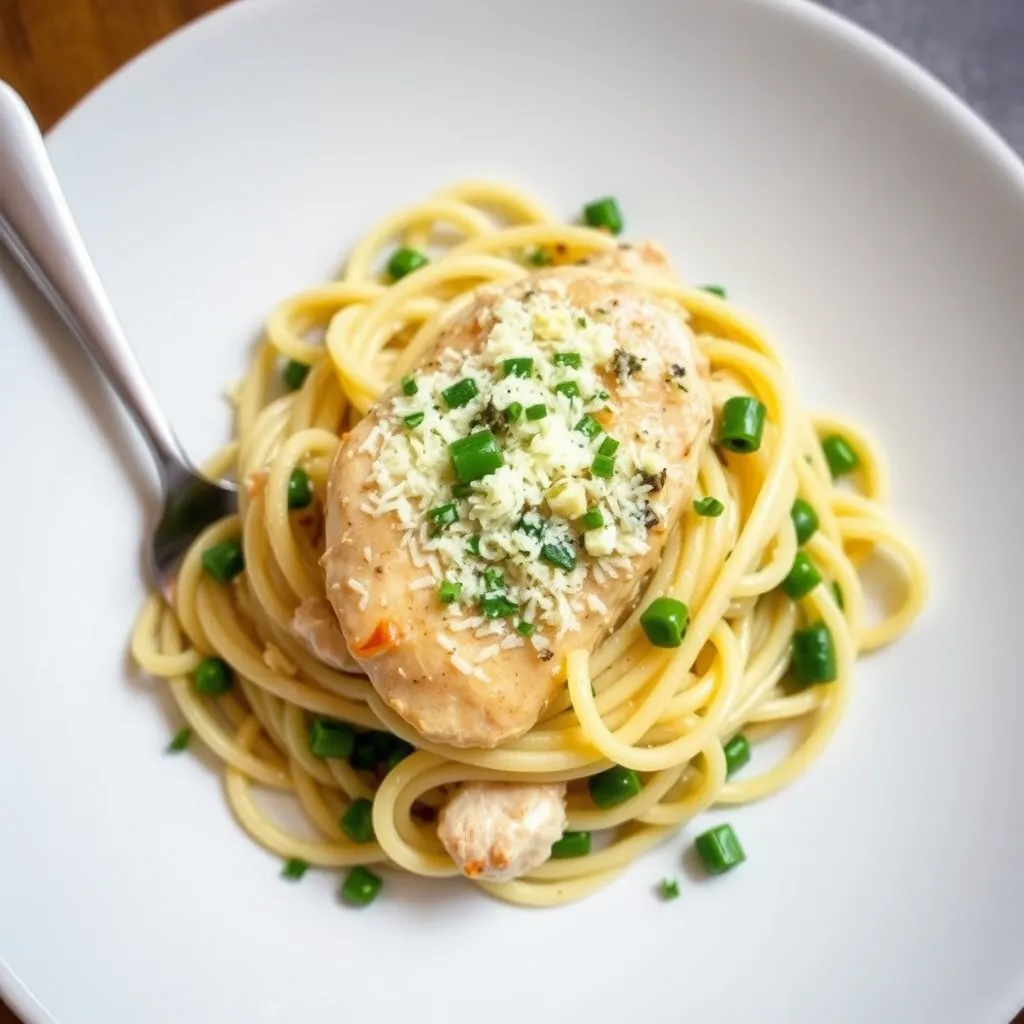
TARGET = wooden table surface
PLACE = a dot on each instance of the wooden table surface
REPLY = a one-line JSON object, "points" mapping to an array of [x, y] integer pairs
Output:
{"points": [[54, 51]]}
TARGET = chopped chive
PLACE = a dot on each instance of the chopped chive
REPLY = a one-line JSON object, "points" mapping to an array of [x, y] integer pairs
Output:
{"points": [[294, 374], [802, 578], [805, 520], [497, 606], [664, 621], [604, 213], [536, 412], [180, 740], [409, 386], [473, 544], [300, 493], [668, 889], [534, 526], [603, 466], [475, 456], [561, 556], [369, 749], [569, 388], [588, 427], [715, 289], [357, 821], [442, 516], [524, 628], [361, 887], [461, 393], [710, 508], [814, 656], [329, 738], [601, 396], [538, 258], [521, 366], [613, 786], [609, 446], [449, 591], [719, 850], [224, 561], [462, 490], [838, 591], [405, 261], [592, 519], [413, 420], [494, 578], [572, 359], [839, 455], [212, 677], [572, 844], [294, 868], [400, 750], [737, 753], [513, 411], [741, 424]]}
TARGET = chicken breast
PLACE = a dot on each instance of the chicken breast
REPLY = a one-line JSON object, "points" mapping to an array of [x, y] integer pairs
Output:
{"points": [[316, 625], [497, 831], [502, 505]]}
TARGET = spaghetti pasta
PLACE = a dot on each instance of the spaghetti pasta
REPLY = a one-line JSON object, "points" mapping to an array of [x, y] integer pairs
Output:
{"points": [[665, 713]]}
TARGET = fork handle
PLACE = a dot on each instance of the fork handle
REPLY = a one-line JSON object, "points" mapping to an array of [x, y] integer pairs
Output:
{"points": [[37, 228]]}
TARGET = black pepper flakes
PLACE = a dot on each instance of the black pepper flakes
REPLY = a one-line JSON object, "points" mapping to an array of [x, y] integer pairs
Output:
{"points": [[625, 364], [655, 480], [545, 655]]}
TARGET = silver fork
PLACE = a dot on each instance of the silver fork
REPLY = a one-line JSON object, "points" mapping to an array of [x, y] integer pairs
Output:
{"points": [[37, 228]]}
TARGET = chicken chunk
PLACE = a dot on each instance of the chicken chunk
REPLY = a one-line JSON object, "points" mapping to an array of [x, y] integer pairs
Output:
{"points": [[499, 830], [462, 577], [316, 625]]}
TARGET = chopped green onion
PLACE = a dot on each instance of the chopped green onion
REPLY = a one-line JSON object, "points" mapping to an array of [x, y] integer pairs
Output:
{"points": [[524, 628], [494, 578], [475, 456], [741, 425], [328, 738], [561, 556], [400, 750], [224, 561], [371, 749], [405, 261], [719, 849], [572, 844], [413, 420], [814, 656], [513, 411], [588, 427], [357, 821], [473, 544], [212, 677], [442, 516], [294, 868], [569, 388], [462, 490], [461, 393], [409, 386], [534, 526], [300, 494], [805, 520], [449, 591], [802, 578], [538, 258], [710, 508], [839, 455], [592, 519], [522, 366], [361, 887], [536, 412], [664, 621], [737, 753], [714, 289], [572, 359], [604, 213], [603, 466], [613, 786], [180, 740], [294, 374], [838, 591], [609, 446], [497, 606], [668, 889]]}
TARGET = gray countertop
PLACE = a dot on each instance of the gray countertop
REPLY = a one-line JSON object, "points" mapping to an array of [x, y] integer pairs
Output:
{"points": [[975, 46]]}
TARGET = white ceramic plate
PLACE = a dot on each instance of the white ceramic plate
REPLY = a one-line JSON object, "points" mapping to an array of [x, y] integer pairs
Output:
{"points": [[847, 200]]}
